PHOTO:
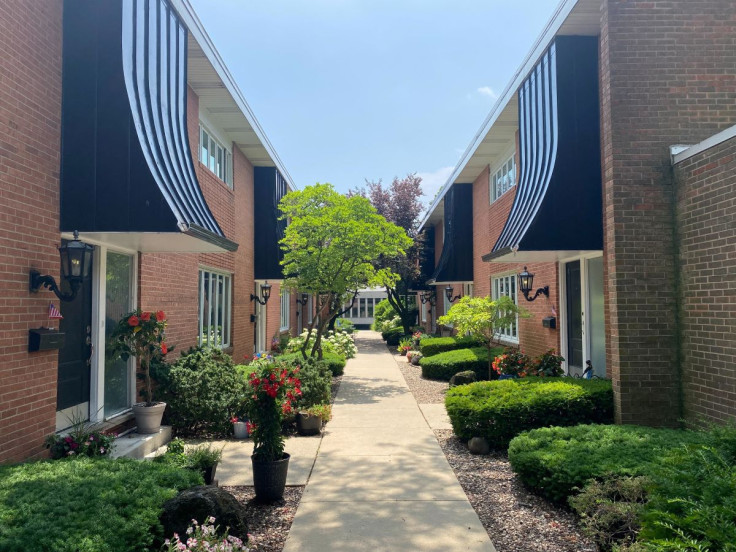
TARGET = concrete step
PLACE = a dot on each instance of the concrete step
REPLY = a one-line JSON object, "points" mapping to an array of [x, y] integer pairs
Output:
{"points": [[138, 445]]}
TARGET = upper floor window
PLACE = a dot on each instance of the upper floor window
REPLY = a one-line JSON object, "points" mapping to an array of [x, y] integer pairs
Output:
{"points": [[215, 306], [506, 285], [215, 156], [503, 179]]}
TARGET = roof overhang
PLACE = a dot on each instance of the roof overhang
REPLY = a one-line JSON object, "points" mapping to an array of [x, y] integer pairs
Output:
{"points": [[508, 255], [194, 240], [572, 17]]}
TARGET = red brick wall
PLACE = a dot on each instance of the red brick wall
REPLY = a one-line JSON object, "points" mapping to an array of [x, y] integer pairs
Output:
{"points": [[706, 211], [667, 77], [30, 120]]}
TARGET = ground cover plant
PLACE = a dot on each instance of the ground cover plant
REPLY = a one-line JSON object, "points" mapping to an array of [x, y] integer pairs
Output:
{"points": [[500, 410], [433, 345], [86, 504], [443, 366], [334, 362]]}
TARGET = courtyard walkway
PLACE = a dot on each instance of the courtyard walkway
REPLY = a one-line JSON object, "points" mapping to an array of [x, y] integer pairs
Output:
{"points": [[380, 481]]}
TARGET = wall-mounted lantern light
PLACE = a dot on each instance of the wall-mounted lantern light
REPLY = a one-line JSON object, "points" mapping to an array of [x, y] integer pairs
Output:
{"points": [[303, 300], [265, 294], [448, 294], [76, 262], [428, 297], [526, 282]]}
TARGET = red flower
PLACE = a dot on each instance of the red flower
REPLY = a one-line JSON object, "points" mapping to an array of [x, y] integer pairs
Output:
{"points": [[133, 320], [272, 377], [164, 349], [145, 316], [160, 316]]}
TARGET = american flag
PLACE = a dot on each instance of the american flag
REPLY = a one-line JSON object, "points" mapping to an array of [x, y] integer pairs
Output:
{"points": [[54, 312]]}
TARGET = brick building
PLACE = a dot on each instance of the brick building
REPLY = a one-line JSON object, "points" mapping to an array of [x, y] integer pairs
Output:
{"points": [[572, 177], [119, 120]]}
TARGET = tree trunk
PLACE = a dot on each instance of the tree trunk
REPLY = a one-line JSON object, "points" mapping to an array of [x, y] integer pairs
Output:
{"points": [[401, 308]]}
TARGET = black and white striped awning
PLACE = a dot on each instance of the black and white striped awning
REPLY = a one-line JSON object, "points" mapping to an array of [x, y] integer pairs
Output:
{"points": [[128, 176], [557, 207], [455, 264]]}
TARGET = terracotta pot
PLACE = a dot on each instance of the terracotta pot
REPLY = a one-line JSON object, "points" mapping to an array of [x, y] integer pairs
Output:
{"points": [[306, 424], [269, 478], [148, 418]]}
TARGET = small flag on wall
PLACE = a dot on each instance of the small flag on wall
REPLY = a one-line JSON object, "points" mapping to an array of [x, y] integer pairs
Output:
{"points": [[54, 312]]}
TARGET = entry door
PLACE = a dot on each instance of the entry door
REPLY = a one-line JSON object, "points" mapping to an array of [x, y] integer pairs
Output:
{"points": [[73, 382], [574, 315]]}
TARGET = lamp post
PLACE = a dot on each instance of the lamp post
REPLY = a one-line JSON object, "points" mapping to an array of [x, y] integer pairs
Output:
{"points": [[76, 262], [526, 283]]}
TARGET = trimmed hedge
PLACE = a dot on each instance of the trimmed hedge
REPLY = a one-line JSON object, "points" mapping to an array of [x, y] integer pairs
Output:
{"points": [[556, 462], [393, 336], [500, 410], [87, 505], [443, 366], [334, 362], [434, 345]]}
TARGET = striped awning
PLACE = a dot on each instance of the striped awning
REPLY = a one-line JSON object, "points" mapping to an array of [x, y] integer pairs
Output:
{"points": [[269, 189], [557, 207], [455, 264]]}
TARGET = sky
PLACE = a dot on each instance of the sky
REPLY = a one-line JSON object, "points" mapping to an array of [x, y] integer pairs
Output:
{"points": [[356, 90]]}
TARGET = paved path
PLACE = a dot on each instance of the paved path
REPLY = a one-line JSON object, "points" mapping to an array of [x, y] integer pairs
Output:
{"points": [[381, 482]]}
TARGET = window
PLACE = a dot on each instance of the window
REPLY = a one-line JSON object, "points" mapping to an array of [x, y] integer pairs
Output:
{"points": [[285, 297], [503, 179], [370, 307], [362, 307], [506, 285], [215, 301], [215, 157]]}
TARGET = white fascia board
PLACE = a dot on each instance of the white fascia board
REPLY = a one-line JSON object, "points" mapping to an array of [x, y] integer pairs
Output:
{"points": [[540, 45], [191, 20], [680, 153]]}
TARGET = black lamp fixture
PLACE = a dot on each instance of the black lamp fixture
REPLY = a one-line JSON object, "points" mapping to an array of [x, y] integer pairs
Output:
{"points": [[265, 294], [303, 300], [428, 297], [76, 262], [526, 282], [448, 294]]}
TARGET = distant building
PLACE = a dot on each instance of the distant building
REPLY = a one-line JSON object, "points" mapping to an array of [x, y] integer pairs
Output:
{"points": [[361, 313]]}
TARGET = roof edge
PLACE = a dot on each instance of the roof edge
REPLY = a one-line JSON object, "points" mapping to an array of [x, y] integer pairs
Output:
{"points": [[681, 153]]}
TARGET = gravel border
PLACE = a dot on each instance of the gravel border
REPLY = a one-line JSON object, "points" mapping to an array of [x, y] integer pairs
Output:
{"points": [[268, 524], [425, 391], [515, 519]]}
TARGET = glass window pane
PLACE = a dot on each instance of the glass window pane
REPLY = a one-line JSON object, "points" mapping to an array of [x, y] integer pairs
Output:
{"points": [[370, 307], [219, 169], [203, 147], [118, 301]]}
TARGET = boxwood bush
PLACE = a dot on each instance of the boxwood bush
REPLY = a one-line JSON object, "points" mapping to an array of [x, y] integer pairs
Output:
{"points": [[334, 362], [556, 462], [500, 410], [86, 505], [429, 346], [393, 336], [443, 366]]}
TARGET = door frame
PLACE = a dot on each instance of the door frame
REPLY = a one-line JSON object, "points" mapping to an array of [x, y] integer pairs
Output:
{"points": [[584, 301], [261, 320]]}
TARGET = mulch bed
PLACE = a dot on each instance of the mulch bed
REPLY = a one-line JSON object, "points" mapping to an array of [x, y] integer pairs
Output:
{"points": [[514, 518], [268, 524]]}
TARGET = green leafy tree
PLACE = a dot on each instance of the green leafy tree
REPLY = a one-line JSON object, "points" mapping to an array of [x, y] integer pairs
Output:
{"points": [[483, 318], [330, 248]]}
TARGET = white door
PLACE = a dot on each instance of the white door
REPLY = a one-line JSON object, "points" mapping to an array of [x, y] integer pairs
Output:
{"points": [[260, 344]]}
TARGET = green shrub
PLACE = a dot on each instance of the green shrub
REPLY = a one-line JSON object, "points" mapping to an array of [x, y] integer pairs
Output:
{"points": [[443, 366], [86, 505], [334, 362], [383, 312], [203, 391], [557, 461], [500, 410], [434, 345], [316, 380], [393, 336]]}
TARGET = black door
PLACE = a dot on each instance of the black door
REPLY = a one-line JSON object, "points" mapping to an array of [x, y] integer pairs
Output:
{"points": [[74, 358], [574, 314]]}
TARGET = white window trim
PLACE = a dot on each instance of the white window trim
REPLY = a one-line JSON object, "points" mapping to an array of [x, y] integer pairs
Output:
{"points": [[285, 311], [510, 156], [504, 338], [226, 339], [227, 176]]}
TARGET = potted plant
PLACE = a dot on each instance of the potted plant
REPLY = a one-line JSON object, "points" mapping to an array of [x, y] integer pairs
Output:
{"points": [[549, 364], [273, 386], [309, 421], [142, 334], [204, 459], [240, 427], [404, 346]]}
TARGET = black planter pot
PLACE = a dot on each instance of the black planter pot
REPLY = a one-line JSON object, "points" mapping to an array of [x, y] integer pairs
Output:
{"points": [[269, 478], [209, 474], [306, 424]]}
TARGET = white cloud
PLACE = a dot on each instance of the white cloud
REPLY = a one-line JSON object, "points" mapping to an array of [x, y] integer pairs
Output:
{"points": [[488, 91], [432, 182]]}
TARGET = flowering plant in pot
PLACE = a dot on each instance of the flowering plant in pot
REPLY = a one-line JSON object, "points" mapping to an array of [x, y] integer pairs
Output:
{"points": [[142, 334], [513, 363], [273, 385]]}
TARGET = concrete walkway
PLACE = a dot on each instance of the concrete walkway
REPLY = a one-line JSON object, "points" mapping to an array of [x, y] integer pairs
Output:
{"points": [[381, 482]]}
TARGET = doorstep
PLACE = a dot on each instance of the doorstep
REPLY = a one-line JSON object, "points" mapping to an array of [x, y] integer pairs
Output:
{"points": [[138, 445]]}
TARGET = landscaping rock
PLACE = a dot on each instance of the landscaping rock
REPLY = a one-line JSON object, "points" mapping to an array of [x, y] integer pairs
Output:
{"points": [[199, 503], [416, 358], [479, 445], [463, 378]]}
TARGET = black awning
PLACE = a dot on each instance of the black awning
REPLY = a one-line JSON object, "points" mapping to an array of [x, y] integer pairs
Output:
{"points": [[456, 261], [127, 173], [557, 207], [269, 187], [426, 260]]}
